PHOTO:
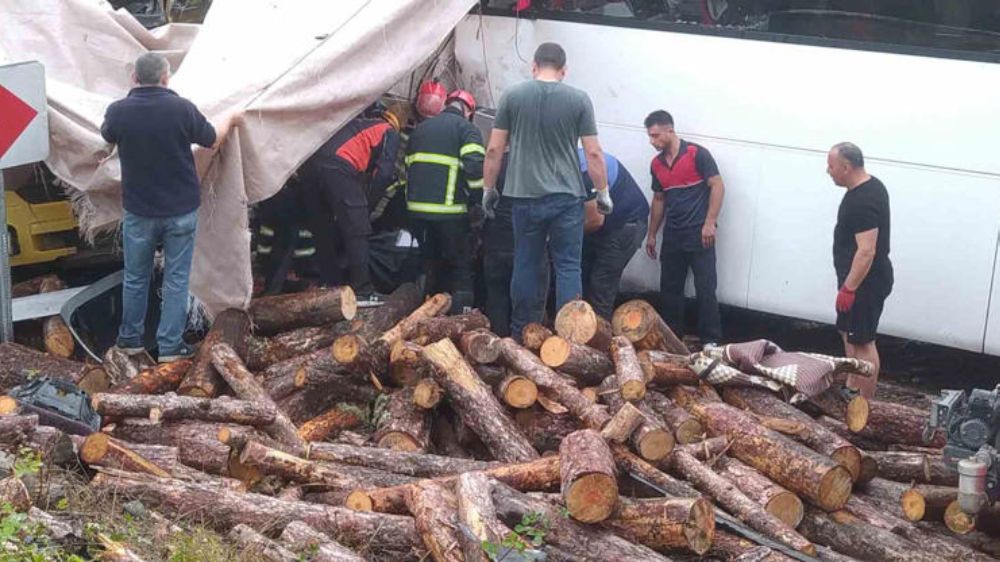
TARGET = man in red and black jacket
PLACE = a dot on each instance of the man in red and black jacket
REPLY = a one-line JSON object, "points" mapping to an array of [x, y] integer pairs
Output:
{"points": [[335, 178], [688, 192]]}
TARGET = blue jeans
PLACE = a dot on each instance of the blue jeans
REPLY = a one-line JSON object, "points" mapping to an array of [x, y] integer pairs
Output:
{"points": [[555, 219], [141, 236]]}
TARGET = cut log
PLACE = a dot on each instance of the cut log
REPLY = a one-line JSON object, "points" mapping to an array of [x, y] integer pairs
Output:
{"points": [[914, 467], [99, 449], [16, 429], [18, 364], [252, 543], [430, 330], [794, 466], [666, 523], [485, 416], [307, 541], [869, 469], [14, 493], [55, 447], [411, 464], [577, 322], [402, 425], [115, 551], [245, 386], [958, 521], [480, 346], [729, 496], [638, 321], [172, 407], [164, 377], [585, 364], [477, 514], [533, 335], [196, 442], [652, 440], [900, 500], [434, 510], [517, 391], [685, 427], [631, 379], [262, 352], [580, 541], [310, 401], [666, 369], [366, 353], [121, 367], [841, 429], [896, 423], [58, 339], [397, 306], [231, 326], [544, 430], [523, 362], [854, 412], [533, 476], [778, 501], [334, 420], [814, 435], [55, 527], [623, 424], [587, 473], [733, 548], [708, 451], [406, 366], [280, 313], [847, 534], [295, 469]]}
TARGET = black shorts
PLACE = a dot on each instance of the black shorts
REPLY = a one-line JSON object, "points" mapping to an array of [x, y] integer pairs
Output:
{"points": [[861, 322]]}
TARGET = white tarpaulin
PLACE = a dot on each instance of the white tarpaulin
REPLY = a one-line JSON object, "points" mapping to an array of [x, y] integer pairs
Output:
{"points": [[300, 68]]}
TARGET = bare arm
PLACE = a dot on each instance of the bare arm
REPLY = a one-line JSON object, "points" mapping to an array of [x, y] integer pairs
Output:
{"points": [[592, 220], [494, 157], [596, 168], [717, 191], [863, 258], [656, 212]]}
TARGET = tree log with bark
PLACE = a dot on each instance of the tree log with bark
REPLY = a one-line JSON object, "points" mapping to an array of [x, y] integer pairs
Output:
{"points": [[434, 510], [164, 377], [262, 352], [778, 501], [587, 472], [533, 335], [58, 339], [631, 379], [664, 369], [411, 464], [334, 420], [244, 385], [585, 364], [577, 322], [794, 466], [280, 313], [903, 466], [545, 430], [853, 411], [402, 424], [19, 364], [666, 523], [406, 366], [232, 327], [305, 540], [517, 391], [847, 534], [295, 469], [430, 330], [685, 427], [252, 543], [476, 512], [652, 440], [486, 417], [638, 321], [896, 423], [480, 346], [99, 449], [169, 406], [16, 428]]}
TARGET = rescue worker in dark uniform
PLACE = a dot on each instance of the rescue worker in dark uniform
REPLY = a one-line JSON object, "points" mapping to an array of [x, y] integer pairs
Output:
{"points": [[498, 259], [283, 242], [444, 162], [337, 201]]}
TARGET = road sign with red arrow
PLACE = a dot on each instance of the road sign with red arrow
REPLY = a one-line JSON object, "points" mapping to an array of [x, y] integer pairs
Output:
{"points": [[24, 127]]}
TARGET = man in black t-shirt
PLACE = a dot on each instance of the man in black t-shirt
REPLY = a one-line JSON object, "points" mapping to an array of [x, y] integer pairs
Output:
{"points": [[860, 258]]}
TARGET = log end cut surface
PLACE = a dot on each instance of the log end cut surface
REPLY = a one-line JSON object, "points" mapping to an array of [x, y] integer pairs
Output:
{"points": [[655, 444], [399, 441], [555, 351], [577, 322], [591, 497], [913, 505], [699, 529], [849, 457], [787, 507], [631, 322], [346, 349], [519, 392], [835, 488], [957, 520], [858, 410]]}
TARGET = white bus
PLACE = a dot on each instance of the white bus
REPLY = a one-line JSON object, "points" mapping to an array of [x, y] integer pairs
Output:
{"points": [[768, 87]]}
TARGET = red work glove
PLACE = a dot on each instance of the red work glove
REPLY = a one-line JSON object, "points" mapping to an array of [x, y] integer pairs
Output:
{"points": [[845, 299]]}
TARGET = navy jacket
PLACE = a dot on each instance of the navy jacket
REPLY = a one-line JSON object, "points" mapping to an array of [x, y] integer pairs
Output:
{"points": [[154, 129]]}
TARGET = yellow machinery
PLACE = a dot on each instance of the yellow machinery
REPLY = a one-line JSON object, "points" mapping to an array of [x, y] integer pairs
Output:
{"points": [[39, 232]]}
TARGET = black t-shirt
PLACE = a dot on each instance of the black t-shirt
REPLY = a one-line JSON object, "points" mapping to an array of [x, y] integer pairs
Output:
{"points": [[863, 208]]}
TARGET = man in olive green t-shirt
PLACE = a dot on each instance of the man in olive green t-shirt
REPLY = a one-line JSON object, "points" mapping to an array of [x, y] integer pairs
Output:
{"points": [[542, 120]]}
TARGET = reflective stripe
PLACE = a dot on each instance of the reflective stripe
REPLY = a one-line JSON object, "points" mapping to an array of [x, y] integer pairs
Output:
{"points": [[435, 208], [266, 230], [472, 147], [431, 158], [303, 233], [475, 184], [263, 249], [304, 252]]}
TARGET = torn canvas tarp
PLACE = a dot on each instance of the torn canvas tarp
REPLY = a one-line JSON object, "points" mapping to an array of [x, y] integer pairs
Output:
{"points": [[300, 68]]}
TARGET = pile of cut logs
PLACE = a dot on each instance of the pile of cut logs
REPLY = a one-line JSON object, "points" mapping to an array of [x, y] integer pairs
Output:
{"points": [[307, 429]]}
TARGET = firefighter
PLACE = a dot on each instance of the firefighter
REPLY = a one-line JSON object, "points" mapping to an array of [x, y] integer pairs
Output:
{"points": [[444, 163], [284, 244], [363, 151]]}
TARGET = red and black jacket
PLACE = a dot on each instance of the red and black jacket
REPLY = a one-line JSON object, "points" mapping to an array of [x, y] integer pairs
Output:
{"points": [[367, 146]]}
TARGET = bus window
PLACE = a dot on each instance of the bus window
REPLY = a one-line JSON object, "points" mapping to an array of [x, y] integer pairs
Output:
{"points": [[971, 26]]}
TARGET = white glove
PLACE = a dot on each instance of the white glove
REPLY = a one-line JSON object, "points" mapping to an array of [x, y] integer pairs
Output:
{"points": [[604, 204]]}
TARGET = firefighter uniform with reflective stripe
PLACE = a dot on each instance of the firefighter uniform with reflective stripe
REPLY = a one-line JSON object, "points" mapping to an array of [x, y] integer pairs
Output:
{"points": [[337, 200], [283, 242], [444, 161]]}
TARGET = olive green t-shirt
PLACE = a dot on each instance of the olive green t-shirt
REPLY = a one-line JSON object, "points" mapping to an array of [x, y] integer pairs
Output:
{"points": [[545, 120]]}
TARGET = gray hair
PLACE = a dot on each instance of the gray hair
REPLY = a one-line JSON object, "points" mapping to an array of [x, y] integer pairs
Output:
{"points": [[149, 68], [851, 153]]}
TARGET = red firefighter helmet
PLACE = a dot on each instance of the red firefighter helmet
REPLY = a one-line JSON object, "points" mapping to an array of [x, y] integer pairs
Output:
{"points": [[431, 98], [465, 97]]}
